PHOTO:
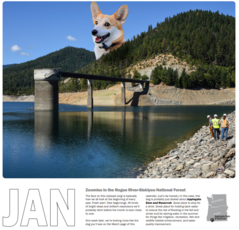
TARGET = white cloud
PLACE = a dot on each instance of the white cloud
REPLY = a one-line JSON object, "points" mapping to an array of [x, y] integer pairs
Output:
{"points": [[24, 54], [70, 38], [15, 48]]}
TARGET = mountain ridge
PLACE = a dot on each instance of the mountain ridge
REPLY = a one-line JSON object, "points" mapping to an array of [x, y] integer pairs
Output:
{"points": [[18, 79], [5, 66]]}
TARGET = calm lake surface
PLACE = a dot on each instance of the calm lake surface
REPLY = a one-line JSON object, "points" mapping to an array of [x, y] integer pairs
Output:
{"points": [[110, 142]]}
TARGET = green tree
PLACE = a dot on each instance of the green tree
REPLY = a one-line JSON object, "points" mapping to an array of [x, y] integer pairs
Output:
{"points": [[144, 77], [155, 76], [209, 79]]}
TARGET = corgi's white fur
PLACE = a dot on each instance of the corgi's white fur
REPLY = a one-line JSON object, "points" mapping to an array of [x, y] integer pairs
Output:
{"points": [[108, 33]]}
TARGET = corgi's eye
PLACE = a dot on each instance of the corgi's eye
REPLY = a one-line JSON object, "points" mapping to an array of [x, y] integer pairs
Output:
{"points": [[107, 24], [96, 22]]}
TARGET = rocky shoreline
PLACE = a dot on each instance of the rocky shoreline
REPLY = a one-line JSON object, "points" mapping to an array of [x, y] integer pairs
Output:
{"points": [[157, 95], [199, 157], [23, 98]]}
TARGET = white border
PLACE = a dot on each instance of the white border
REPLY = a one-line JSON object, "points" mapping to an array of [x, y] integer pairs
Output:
{"points": [[204, 187]]}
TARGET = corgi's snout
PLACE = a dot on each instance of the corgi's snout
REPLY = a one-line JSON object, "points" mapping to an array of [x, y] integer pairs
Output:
{"points": [[94, 32]]}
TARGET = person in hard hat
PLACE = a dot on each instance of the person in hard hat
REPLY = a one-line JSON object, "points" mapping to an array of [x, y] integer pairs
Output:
{"points": [[210, 125], [215, 124], [224, 123]]}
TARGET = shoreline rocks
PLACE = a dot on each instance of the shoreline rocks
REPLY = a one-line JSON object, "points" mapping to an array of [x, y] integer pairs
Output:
{"points": [[199, 157], [159, 101]]}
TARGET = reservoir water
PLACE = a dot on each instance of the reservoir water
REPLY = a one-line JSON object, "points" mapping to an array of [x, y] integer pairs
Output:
{"points": [[110, 142]]}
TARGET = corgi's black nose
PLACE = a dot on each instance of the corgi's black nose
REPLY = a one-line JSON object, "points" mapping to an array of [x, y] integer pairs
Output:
{"points": [[94, 32]]}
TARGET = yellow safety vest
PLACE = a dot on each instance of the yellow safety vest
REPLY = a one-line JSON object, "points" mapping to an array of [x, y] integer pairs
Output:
{"points": [[224, 123], [215, 123]]}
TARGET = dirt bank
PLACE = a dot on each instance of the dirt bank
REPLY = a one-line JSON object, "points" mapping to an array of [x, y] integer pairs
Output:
{"points": [[156, 95], [7, 98], [193, 96]]}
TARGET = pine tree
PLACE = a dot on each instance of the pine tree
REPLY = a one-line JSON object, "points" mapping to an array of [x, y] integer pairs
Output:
{"points": [[155, 76]]}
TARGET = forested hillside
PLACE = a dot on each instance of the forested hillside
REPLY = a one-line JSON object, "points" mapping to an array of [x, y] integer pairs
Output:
{"points": [[201, 38], [18, 79]]}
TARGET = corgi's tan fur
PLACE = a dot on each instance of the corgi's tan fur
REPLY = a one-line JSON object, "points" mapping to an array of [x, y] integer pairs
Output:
{"points": [[108, 33]]}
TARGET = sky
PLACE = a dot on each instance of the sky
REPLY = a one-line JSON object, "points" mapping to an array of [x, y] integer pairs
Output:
{"points": [[35, 29]]}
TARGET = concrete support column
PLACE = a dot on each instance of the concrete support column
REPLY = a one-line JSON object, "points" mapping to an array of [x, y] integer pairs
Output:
{"points": [[122, 93], [46, 95], [46, 89], [90, 95]]}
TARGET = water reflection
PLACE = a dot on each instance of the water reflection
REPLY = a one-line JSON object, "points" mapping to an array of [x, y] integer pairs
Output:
{"points": [[90, 122], [123, 123], [46, 124]]}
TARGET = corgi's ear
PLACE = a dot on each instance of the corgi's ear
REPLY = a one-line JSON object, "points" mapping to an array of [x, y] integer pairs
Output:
{"points": [[95, 10], [121, 14]]}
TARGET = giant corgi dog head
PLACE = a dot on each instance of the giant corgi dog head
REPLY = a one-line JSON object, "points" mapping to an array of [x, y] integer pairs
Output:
{"points": [[108, 33]]}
